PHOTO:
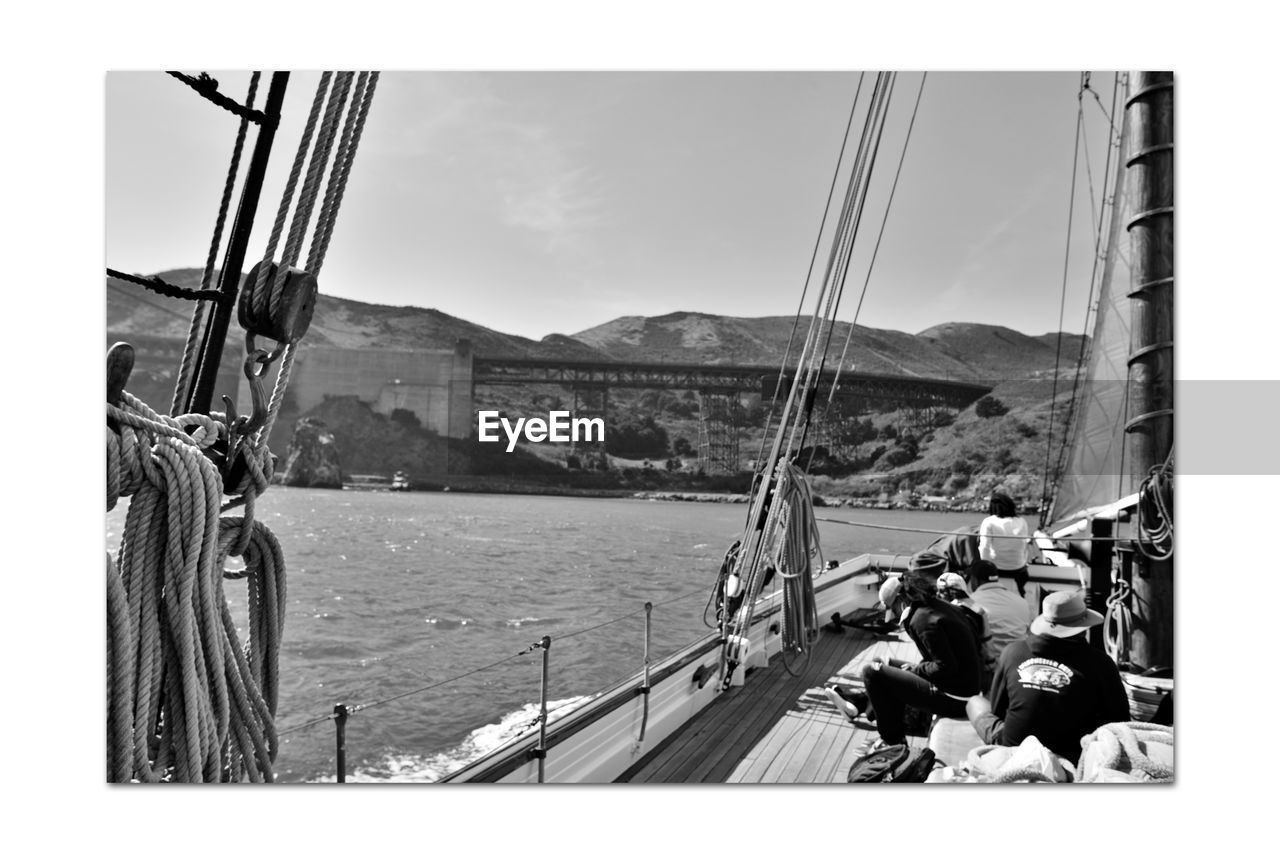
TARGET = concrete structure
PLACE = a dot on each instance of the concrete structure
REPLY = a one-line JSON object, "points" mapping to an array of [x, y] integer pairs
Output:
{"points": [[435, 385]]}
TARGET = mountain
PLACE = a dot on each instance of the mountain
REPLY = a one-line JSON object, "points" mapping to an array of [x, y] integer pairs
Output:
{"points": [[962, 351], [337, 322]]}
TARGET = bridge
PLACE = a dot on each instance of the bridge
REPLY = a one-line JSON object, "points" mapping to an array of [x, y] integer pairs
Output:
{"points": [[720, 388], [913, 392]]}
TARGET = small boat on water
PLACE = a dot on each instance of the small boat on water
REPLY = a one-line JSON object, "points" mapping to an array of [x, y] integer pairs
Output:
{"points": [[400, 482], [745, 703]]}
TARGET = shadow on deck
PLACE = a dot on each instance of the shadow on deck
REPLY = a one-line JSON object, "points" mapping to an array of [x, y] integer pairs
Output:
{"points": [[777, 728]]}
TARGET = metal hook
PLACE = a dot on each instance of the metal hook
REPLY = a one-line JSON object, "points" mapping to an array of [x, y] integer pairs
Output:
{"points": [[246, 424]]}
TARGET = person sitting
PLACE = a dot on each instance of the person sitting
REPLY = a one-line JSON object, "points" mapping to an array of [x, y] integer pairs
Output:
{"points": [[949, 672], [1005, 540], [1052, 684], [1006, 611], [952, 588]]}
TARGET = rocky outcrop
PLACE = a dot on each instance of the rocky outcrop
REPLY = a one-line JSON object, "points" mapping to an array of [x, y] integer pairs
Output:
{"points": [[312, 459]]}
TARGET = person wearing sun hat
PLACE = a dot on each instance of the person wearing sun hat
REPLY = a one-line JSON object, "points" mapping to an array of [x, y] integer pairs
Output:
{"points": [[1052, 684]]}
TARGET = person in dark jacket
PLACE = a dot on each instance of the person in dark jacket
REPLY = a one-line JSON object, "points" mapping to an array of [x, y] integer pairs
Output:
{"points": [[1052, 684], [947, 675]]}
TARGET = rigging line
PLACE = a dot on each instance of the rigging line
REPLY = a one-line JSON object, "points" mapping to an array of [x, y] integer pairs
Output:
{"points": [[131, 295], [867, 281], [1062, 305], [315, 170], [838, 293], [1111, 122], [1084, 539], [831, 274], [813, 257], [814, 333], [1108, 202], [160, 286], [187, 365], [286, 198], [336, 187], [749, 554], [361, 101], [306, 725], [207, 87], [753, 539], [360, 707]]}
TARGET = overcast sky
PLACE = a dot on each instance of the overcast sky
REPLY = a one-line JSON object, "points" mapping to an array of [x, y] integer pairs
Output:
{"points": [[540, 202]]}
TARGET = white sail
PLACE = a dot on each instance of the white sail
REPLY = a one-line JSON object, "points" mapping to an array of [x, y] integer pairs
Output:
{"points": [[1094, 471]]}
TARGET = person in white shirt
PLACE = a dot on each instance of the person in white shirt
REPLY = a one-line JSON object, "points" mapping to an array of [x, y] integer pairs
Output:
{"points": [[1004, 539]]}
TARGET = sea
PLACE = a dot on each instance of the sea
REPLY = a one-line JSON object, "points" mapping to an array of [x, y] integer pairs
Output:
{"points": [[422, 607]]}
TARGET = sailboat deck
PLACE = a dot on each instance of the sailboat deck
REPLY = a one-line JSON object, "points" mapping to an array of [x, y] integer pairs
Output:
{"points": [[777, 728]]}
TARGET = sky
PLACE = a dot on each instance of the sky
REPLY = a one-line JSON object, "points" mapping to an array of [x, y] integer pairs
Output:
{"points": [[541, 202]]}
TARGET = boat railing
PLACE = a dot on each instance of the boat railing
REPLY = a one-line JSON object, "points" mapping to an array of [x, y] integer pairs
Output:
{"points": [[343, 712]]}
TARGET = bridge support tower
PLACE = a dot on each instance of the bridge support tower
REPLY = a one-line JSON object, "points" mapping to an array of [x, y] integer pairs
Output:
{"points": [[718, 417]]}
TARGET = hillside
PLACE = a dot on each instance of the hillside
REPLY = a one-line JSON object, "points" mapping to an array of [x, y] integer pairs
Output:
{"points": [[957, 456], [337, 322]]}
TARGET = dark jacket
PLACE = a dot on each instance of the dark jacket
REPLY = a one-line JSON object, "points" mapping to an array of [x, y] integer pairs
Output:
{"points": [[1057, 689], [948, 649]]}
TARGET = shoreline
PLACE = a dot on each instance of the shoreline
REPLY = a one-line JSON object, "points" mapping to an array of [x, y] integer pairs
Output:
{"points": [[511, 488]]}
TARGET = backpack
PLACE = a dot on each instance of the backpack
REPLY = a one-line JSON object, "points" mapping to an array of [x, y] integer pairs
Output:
{"points": [[896, 763]]}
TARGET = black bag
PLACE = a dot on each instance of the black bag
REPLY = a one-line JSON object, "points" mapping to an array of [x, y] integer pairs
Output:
{"points": [[896, 763]]}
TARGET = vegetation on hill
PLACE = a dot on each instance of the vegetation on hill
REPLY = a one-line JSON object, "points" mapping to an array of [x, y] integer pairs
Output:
{"points": [[654, 435]]}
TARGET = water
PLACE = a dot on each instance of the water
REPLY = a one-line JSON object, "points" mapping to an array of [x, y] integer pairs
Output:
{"points": [[390, 592]]}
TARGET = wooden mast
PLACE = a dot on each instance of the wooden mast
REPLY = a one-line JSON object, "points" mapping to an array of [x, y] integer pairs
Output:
{"points": [[1150, 426]]}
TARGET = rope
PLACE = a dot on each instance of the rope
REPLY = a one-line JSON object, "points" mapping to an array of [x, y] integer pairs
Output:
{"points": [[1116, 624], [1154, 514], [1062, 303], [208, 89], [1086, 342], [361, 101], [792, 549], [262, 297], [191, 349], [879, 237], [1126, 748], [951, 533], [187, 701], [160, 286], [817, 243]]}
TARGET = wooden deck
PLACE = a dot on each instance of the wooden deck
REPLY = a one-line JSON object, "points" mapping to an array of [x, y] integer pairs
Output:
{"points": [[777, 728]]}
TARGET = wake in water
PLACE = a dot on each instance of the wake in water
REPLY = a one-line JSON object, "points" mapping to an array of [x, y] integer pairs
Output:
{"points": [[396, 768]]}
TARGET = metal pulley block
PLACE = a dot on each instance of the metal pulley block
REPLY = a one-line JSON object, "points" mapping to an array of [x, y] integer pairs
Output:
{"points": [[291, 318]]}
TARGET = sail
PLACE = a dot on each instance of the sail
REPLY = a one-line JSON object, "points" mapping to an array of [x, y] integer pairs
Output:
{"points": [[1094, 473]]}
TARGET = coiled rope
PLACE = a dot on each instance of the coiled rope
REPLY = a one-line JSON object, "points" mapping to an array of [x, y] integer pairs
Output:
{"points": [[792, 547], [1154, 513], [1117, 622], [187, 701]]}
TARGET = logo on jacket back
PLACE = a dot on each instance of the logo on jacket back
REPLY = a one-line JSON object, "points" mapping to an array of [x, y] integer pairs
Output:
{"points": [[1044, 674]]}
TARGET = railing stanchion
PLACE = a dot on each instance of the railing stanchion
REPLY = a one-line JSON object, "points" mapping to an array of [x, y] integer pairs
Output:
{"points": [[340, 714], [542, 734], [644, 688]]}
